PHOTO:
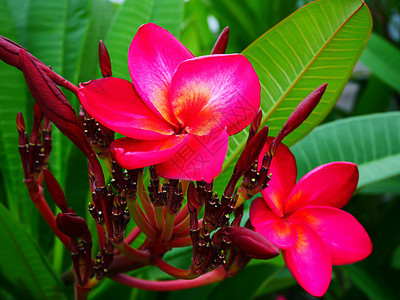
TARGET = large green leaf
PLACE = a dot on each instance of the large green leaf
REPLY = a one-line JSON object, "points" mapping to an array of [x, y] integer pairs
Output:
{"points": [[24, 271], [101, 16], [46, 26], [383, 59], [12, 100], [132, 14], [371, 141], [319, 43]]}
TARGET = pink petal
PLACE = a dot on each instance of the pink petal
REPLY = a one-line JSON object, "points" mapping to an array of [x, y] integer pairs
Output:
{"points": [[153, 57], [272, 227], [114, 103], [331, 184], [132, 154], [345, 238], [200, 159], [309, 261], [283, 177], [212, 92]]}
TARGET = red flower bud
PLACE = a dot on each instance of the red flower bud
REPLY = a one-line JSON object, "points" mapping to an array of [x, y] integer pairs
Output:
{"points": [[55, 190], [255, 125], [222, 42], [251, 151], [9, 53], [55, 106], [251, 243], [299, 115], [20, 122], [72, 225], [104, 59]]}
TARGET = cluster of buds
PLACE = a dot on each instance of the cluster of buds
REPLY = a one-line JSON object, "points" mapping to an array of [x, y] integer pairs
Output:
{"points": [[219, 243]]}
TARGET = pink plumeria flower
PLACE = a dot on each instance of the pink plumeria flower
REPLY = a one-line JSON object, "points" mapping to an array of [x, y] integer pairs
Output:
{"points": [[305, 220], [179, 111]]}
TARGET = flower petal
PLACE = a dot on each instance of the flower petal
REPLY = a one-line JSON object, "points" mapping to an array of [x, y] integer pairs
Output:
{"points": [[212, 92], [153, 57], [331, 184], [309, 261], [200, 159], [344, 237], [114, 103], [272, 227], [283, 177], [132, 154]]}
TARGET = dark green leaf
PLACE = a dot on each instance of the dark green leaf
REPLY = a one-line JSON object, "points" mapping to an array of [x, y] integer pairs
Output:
{"points": [[24, 270], [383, 59]]}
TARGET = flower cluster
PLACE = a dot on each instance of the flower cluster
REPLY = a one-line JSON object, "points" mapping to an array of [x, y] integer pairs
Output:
{"points": [[176, 117]]}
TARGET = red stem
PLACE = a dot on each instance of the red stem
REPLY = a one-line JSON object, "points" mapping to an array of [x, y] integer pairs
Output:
{"points": [[130, 238], [173, 271], [36, 195], [171, 285]]}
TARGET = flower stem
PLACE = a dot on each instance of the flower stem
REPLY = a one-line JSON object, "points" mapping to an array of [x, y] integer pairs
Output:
{"points": [[169, 226], [140, 219], [134, 254], [36, 195], [159, 213], [130, 238], [171, 285], [173, 271], [145, 201]]}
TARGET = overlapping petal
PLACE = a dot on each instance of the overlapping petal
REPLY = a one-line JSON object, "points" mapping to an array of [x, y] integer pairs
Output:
{"points": [[153, 57], [283, 177], [214, 92], [200, 159], [331, 184], [309, 261], [114, 103], [132, 154], [344, 237], [271, 226]]}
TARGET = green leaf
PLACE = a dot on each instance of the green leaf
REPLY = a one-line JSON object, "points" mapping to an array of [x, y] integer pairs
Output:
{"points": [[371, 141], [101, 16], [383, 59], [46, 25], [24, 270], [132, 14], [247, 283], [12, 100], [367, 284], [319, 43], [248, 20]]}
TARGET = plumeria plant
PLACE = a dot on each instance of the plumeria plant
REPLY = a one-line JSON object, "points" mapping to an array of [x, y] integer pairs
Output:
{"points": [[156, 145]]}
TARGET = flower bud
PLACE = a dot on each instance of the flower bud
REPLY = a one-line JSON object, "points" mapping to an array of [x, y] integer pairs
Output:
{"points": [[55, 106], [251, 243], [9, 53], [104, 59], [222, 42], [55, 190], [298, 116], [251, 151], [72, 225]]}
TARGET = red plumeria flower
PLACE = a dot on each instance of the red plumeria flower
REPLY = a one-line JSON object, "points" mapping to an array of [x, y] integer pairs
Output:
{"points": [[179, 111], [305, 220]]}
